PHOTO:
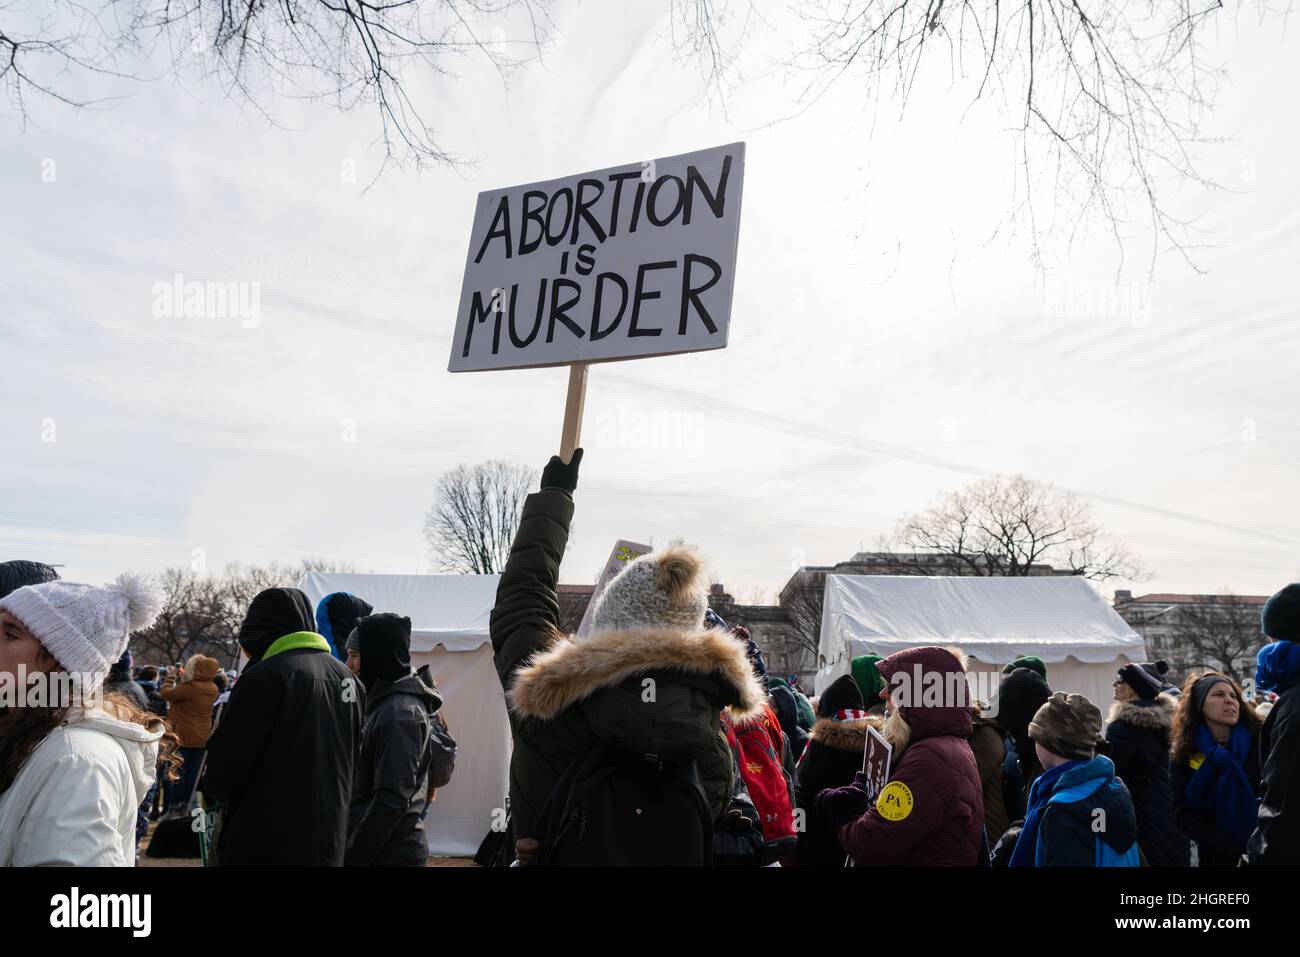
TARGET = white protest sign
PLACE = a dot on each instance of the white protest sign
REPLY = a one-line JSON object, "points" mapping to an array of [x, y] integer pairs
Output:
{"points": [[622, 263], [623, 553]]}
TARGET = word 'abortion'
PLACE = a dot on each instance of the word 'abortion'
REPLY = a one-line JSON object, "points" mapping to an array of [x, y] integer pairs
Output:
{"points": [[558, 217]]}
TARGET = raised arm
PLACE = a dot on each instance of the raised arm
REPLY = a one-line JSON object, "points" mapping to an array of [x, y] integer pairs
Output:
{"points": [[526, 614]]}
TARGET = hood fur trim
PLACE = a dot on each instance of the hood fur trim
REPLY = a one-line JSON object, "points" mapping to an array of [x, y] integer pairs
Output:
{"points": [[1156, 716], [843, 735], [571, 670]]}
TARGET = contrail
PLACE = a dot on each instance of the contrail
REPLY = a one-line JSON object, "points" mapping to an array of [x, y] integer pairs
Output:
{"points": [[731, 410]]}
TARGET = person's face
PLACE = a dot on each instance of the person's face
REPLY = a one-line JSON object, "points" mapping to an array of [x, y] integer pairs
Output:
{"points": [[1222, 705], [19, 647], [1122, 691], [354, 662]]}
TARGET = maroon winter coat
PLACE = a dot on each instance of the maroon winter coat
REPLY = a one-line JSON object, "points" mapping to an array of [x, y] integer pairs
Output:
{"points": [[942, 825]]}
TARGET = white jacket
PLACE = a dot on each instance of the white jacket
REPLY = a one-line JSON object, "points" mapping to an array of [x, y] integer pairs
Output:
{"points": [[74, 801]]}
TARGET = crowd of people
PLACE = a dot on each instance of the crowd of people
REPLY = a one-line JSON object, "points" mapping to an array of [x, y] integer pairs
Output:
{"points": [[321, 751], [658, 737]]}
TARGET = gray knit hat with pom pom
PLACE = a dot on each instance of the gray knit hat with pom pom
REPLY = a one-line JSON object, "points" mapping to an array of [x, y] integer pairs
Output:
{"points": [[664, 590], [85, 628]]}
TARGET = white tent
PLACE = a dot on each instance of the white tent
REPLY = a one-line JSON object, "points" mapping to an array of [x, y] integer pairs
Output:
{"points": [[449, 632], [1062, 620]]}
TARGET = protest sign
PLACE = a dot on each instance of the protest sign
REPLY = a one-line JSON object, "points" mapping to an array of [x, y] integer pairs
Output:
{"points": [[623, 553], [876, 754], [632, 261], [875, 762]]}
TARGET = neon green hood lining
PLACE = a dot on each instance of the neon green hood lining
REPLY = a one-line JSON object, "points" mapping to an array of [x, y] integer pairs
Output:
{"points": [[297, 639]]}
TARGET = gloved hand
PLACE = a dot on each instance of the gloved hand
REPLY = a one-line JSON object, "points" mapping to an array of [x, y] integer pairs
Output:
{"points": [[561, 476], [838, 806]]}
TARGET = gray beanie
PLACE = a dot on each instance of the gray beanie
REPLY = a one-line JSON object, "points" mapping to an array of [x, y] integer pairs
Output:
{"points": [[353, 643], [660, 590]]}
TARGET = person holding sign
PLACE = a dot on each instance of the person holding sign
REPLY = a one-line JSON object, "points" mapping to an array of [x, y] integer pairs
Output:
{"points": [[618, 754], [931, 813]]}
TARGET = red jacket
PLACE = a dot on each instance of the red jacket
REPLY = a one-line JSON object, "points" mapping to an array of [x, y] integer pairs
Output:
{"points": [[931, 813]]}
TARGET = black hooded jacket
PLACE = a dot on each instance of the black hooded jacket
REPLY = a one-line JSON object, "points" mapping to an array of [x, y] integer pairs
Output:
{"points": [[1276, 840], [384, 642], [390, 788], [1019, 697], [281, 759], [1138, 732]]}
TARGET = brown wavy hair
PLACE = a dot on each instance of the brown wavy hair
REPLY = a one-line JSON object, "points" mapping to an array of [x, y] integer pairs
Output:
{"points": [[1182, 736], [23, 729]]}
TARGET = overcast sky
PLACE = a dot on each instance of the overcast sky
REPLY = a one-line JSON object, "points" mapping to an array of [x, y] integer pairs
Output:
{"points": [[882, 350]]}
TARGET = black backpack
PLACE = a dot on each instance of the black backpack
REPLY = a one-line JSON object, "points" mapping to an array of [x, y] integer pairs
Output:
{"points": [[442, 753], [615, 808]]}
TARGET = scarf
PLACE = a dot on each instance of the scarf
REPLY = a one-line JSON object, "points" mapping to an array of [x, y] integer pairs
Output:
{"points": [[1039, 794], [1278, 665], [1220, 784]]}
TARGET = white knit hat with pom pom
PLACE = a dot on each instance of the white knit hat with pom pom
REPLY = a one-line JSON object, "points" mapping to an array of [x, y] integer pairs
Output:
{"points": [[661, 590], [86, 628]]}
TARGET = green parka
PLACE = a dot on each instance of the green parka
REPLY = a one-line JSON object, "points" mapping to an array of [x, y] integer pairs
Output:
{"points": [[650, 690]]}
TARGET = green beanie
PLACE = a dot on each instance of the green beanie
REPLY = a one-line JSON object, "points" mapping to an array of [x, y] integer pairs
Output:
{"points": [[867, 678], [1031, 662]]}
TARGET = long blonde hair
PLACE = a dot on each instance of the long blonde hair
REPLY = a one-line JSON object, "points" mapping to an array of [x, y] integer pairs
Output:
{"points": [[897, 732]]}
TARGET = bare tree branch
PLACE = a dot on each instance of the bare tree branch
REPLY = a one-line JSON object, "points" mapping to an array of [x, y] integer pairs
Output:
{"points": [[352, 52], [1218, 632], [202, 613], [1106, 98]]}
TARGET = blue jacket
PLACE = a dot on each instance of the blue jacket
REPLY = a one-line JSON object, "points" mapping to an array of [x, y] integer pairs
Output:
{"points": [[1089, 820]]}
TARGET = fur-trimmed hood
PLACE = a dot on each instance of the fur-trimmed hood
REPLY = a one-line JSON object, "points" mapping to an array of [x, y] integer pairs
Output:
{"points": [[843, 735], [1154, 715], [572, 670]]}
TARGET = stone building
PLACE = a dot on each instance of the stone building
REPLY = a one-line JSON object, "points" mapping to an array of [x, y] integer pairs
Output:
{"points": [[1197, 632]]}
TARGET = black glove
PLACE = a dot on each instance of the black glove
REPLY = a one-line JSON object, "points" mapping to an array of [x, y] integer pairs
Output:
{"points": [[561, 476]]}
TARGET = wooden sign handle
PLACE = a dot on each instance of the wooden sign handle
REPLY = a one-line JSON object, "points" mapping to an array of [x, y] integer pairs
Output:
{"points": [[571, 436]]}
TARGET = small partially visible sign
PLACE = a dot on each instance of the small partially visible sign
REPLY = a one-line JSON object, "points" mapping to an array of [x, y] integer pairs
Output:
{"points": [[875, 762], [624, 552]]}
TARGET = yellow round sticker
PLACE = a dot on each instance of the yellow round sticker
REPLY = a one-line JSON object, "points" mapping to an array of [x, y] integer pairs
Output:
{"points": [[895, 801]]}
